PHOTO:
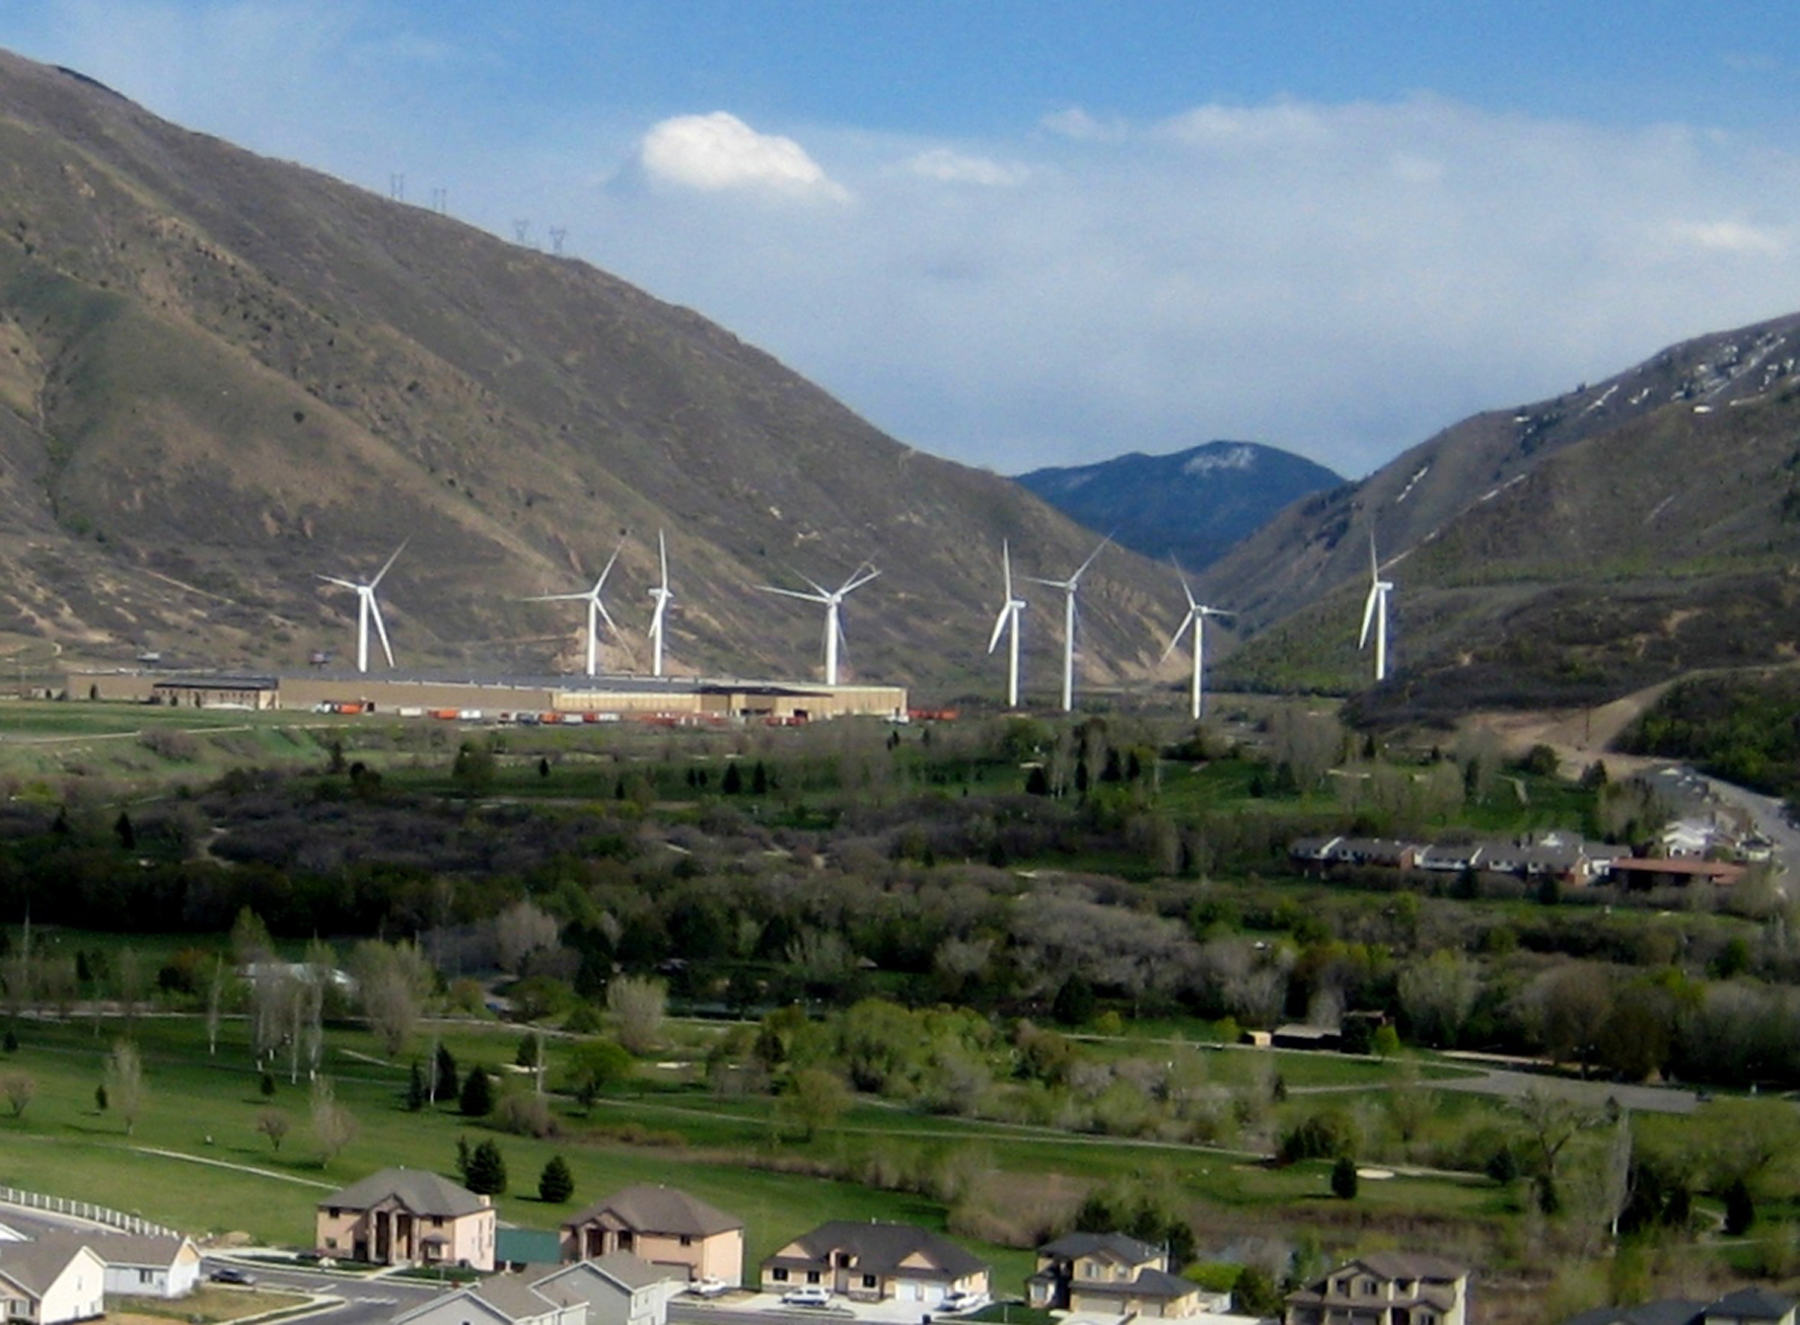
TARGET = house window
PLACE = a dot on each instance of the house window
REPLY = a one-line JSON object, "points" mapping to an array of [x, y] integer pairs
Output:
{"points": [[331, 1244], [812, 1276], [332, 1211], [1368, 1288], [868, 1281], [625, 1240], [841, 1260], [146, 1276], [778, 1274], [686, 1241]]}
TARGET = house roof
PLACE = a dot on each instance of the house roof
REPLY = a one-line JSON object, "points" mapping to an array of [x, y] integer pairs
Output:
{"points": [[513, 1296], [526, 1246], [133, 1249], [1752, 1304], [1407, 1265], [1668, 1312], [880, 1248], [652, 1208], [421, 1192], [36, 1266], [1117, 1245], [1148, 1282]]}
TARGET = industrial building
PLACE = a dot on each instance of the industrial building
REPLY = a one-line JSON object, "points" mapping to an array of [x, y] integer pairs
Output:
{"points": [[541, 699]]}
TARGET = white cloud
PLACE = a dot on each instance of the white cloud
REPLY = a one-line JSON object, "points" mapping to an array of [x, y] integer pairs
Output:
{"points": [[1730, 237], [719, 151], [1077, 124], [941, 163]]}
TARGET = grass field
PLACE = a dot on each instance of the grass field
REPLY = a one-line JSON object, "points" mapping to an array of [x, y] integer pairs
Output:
{"points": [[196, 1159]]}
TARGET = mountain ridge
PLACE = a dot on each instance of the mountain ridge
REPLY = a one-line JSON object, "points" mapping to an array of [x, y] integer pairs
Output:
{"points": [[1192, 504], [222, 376]]}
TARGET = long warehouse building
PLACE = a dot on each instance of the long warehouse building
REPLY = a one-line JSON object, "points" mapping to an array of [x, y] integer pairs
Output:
{"points": [[552, 698]]}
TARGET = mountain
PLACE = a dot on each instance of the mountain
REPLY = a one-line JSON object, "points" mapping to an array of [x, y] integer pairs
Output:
{"points": [[222, 377], [1564, 551], [1192, 505]]}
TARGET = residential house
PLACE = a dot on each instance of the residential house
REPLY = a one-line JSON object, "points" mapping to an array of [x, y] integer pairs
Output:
{"points": [[1746, 1306], [618, 1288], [502, 1299], [51, 1281], [1109, 1274], [875, 1262], [145, 1266], [1385, 1288], [408, 1217], [661, 1225]]}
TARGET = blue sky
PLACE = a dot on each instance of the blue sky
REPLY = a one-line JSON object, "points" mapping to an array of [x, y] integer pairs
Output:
{"points": [[1027, 232]]}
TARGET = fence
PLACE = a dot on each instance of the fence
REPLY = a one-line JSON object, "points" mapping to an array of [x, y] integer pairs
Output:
{"points": [[94, 1214]]}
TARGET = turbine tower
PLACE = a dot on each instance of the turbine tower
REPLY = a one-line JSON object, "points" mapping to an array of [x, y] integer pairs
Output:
{"points": [[832, 598], [1069, 586], [596, 609], [1008, 623], [1375, 610], [661, 595], [1196, 621], [367, 607]]}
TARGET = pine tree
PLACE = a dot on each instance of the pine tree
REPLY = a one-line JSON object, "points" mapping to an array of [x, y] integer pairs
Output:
{"points": [[1344, 1178], [415, 1088], [445, 1087], [556, 1184], [477, 1099], [487, 1170]]}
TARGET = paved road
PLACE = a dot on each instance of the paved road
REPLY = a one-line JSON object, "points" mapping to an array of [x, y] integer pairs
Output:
{"points": [[1515, 1085], [357, 1299]]}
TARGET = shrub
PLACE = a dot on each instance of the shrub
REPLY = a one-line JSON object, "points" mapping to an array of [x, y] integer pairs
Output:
{"points": [[556, 1184], [1343, 1178]]}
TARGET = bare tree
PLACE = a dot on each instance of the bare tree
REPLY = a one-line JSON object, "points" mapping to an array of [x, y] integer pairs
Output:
{"points": [[215, 1000], [333, 1125], [520, 930], [637, 1004], [19, 1088], [274, 1124], [125, 1088], [1437, 995], [392, 981]]}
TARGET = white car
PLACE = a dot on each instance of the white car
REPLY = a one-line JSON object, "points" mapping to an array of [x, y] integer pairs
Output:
{"points": [[709, 1286], [960, 1300], [808, 1295]]}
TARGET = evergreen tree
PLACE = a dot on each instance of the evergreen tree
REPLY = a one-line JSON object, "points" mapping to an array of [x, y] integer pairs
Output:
{"points": [[1074, 1003], [556, 1184], [127, 835], [759, 780], [487, 1169], [734, 780], [1740, 1209], [445, 1087], [415, 1088], [1344, 1178], [462, 1159], [477, 1099], [1037, 782]]}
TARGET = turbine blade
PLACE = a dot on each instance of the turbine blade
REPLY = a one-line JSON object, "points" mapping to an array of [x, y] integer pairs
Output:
{"points": [[1173, 641], [347, 584], [1006, 569], [662, 556], [380, 626], [820, 597], [1182, 576], [605, 616], [999, 628], [388, 565], [600, 583], [1374, 565], [858, 580], [656, 617], [1368, 616], [554, 597], [1082, 569]]}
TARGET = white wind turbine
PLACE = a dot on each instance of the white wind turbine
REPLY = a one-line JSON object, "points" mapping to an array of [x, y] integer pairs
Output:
{"points": [[832, 598], [1196, 621], [1069, 586], [596, 612], [367, 607], [661, 595], [1008, 623], [1375, 610]]}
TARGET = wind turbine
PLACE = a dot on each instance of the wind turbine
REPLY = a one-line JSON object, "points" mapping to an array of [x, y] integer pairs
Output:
{"points": [[367, 607], [661, 595], [832, 598], [1375, 609], [1069, 586], [596, 609], [1196, 621], [1008, 621]]}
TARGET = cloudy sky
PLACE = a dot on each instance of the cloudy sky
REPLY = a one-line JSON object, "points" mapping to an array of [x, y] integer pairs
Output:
{"points": [[1027, 232]]}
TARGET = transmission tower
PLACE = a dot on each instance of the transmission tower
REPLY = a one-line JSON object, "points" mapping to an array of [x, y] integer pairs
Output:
{"points": [[523, 230], [397, 186], [556, 238]]}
